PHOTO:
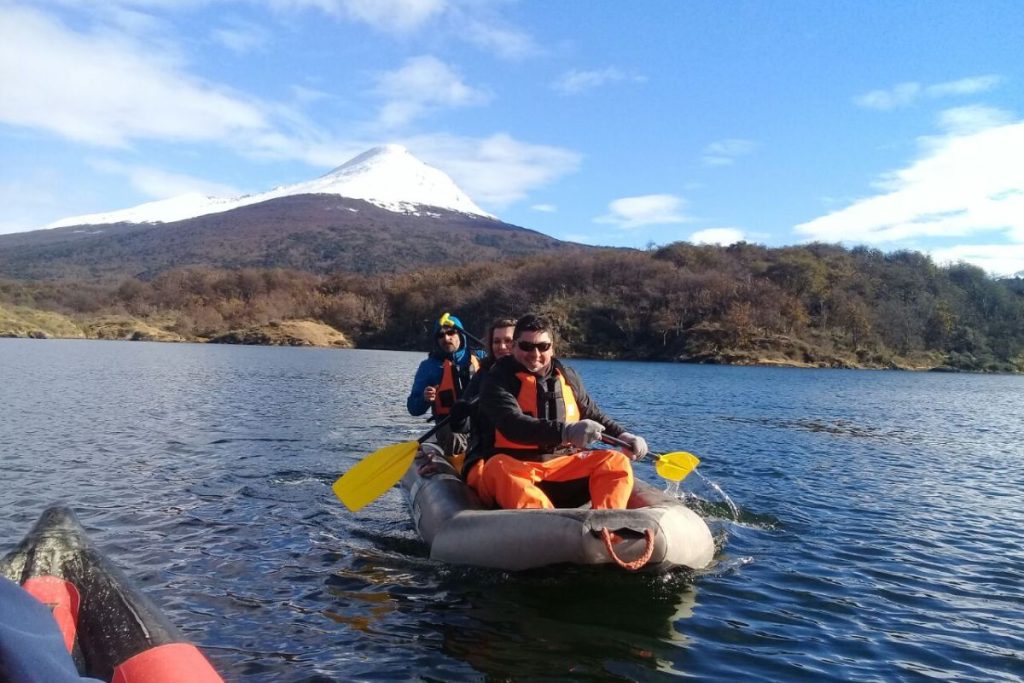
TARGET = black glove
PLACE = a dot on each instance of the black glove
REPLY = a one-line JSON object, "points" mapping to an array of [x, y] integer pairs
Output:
{"points": [[461, 410]]}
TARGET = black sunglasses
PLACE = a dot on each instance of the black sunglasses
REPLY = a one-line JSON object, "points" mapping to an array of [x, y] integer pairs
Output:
{"points": [[543, 347], [446, 332]]}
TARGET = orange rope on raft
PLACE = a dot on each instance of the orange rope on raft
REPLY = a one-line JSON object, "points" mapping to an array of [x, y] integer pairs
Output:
{"points": [[639, 562]]}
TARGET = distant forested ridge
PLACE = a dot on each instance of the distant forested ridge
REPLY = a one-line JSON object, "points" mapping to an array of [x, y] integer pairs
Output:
{"points": [[819, 305]]}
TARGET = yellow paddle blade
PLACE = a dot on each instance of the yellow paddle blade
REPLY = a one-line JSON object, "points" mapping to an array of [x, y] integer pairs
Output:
{"points": [[373, 475], [675, 466]]}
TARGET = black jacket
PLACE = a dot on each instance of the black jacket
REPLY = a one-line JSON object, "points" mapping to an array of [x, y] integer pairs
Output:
{"points": [[499, 406]]}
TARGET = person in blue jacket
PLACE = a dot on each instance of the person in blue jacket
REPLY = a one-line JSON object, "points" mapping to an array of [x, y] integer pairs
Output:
{"points": [[31, 645], [442, 377]]}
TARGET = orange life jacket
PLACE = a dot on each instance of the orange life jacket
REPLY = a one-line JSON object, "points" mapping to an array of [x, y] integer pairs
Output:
{"points": [[453, 381], [560, 405]]}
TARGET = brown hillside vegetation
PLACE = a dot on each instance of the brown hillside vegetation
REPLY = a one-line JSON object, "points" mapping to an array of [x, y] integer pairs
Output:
{"points": [[815, 305]]}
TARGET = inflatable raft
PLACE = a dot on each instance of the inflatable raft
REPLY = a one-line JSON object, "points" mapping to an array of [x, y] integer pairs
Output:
{"points": [[656, 533], [113, 632]]}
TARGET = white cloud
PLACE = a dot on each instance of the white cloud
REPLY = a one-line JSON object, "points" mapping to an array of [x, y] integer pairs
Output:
{"points": [[545, 208], [722, 236], [724, 152], [497, 170], [964, 86], [574, 82], [972, 119], [998, 259], [423, 83], [160, 184], [241, 38], [399, 16], [304, 95], [394, 15], [505, 42], [905, 94], [471, 21], [962, 185], [51, 77], [898, 96], [133, 17], [651, 209]]}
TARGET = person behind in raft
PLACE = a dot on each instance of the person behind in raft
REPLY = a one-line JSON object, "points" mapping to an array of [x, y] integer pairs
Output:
{"points": [[464, 413], [532, 406], [499, 345], [441, 378]]}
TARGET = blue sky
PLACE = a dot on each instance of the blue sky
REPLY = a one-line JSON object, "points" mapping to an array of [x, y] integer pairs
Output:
{"points": [[891, 124]]}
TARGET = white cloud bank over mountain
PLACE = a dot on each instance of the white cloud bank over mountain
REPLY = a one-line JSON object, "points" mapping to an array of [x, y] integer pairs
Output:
{"points": [[969, 183]]}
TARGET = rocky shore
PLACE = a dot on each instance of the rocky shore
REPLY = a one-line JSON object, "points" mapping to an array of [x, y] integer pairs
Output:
{"points": [[35, 324]]}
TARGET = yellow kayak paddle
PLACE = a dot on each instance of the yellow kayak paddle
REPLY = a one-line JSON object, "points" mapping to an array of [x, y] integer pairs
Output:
{"points": [[672, 466], [372, 476]]}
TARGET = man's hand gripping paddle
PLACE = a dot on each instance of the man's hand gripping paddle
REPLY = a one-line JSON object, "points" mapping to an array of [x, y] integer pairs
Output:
{"points": [[673, 466]]}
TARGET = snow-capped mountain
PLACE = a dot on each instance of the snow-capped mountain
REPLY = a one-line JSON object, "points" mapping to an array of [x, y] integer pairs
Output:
{"points": [[387, 176]]}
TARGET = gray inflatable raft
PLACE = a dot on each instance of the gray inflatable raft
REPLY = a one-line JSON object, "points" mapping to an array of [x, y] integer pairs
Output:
{"points": [[656, 533]]}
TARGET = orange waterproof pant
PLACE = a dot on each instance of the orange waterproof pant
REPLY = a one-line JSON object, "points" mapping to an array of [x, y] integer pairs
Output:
{"points": [[512, 483]]}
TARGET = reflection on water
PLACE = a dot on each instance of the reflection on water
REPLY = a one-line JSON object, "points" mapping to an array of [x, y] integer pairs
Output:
{"points": [[557, 623], [867, 523]]}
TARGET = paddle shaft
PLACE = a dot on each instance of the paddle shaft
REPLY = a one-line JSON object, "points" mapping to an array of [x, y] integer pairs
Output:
{"points": [[443, 421], [475, 339], [433, 430], [615, 441]]}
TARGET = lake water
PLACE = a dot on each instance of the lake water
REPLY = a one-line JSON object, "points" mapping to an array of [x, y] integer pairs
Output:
{"points": [[869, 523]]}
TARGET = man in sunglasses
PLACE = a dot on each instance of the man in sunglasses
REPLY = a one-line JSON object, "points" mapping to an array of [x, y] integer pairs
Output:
{"points": [[538, 421], [442, 377]]}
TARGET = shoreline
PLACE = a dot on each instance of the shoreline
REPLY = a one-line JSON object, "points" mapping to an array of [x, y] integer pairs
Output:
{"points": [[310, 334], [706, 347]]}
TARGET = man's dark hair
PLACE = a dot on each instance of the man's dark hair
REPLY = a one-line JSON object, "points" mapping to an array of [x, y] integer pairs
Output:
{"points": [[533, 323]]}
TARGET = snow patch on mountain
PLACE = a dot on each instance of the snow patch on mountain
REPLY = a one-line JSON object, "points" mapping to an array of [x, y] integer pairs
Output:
{"points": [[387, 176]]}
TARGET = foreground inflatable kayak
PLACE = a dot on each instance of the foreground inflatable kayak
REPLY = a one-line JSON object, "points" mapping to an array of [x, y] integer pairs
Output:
{"points": [[113, 632], [656, 533]]}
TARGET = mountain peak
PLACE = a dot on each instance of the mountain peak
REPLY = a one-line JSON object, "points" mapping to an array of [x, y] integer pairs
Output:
{"points": [[388, 176], [392, 178]]}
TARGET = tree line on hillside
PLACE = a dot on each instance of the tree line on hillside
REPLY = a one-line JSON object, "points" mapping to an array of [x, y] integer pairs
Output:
{"points": [[817, 304]]}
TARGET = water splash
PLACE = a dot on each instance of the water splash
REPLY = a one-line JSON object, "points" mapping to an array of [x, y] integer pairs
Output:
{"points": [[733, 509], [674, 489], [723, 567], [714, 504]]}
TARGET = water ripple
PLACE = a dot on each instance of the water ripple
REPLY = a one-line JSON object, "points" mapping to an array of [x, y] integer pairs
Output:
{"points": [[866, 523]]}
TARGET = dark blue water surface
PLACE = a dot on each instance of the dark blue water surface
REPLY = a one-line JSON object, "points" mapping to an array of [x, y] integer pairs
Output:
{"points": [[869, 523]]}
